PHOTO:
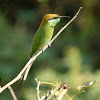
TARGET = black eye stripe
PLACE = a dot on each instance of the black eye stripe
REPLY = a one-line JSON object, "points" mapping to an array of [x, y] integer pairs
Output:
{"points": [[53, 18]]}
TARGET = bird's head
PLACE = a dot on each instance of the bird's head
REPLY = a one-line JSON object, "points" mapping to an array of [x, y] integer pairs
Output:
{"points": [[52, 19]]}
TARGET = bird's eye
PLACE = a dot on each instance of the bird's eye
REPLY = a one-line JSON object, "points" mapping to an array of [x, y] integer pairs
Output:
{"points": [[53, 17]]}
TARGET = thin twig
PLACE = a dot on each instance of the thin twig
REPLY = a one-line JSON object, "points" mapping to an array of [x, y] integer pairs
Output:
{"points": [[12, 93], [63, 28], [34, 57], [68, 97], [19, 75], [48, 83], [50, 96], [44, 97], [37, 88], [27, 71]]}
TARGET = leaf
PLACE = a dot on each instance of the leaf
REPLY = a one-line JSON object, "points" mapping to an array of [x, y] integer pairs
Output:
{"points": [[58, 82], [81, 88]]}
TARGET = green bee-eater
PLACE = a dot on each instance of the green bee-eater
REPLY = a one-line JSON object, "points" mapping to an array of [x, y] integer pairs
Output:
{"points": [[43, 35], [44, 32]]}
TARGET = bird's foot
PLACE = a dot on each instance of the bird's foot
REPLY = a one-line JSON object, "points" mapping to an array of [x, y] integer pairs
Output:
{"points": [[42, 50], [49, 45]]}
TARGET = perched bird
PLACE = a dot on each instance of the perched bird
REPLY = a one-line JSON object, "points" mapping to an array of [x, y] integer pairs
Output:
{"points": [[44, 33], [43, 36]]}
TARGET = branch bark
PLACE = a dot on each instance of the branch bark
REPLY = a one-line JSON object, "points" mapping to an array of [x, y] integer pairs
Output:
{"points": [[37, 88], [12, 93]]}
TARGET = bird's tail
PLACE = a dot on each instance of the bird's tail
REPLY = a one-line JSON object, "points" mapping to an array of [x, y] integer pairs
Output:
{"points": [[24, 76]]}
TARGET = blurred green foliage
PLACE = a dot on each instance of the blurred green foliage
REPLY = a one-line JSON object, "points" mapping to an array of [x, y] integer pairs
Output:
{"points": [[74, 57]]}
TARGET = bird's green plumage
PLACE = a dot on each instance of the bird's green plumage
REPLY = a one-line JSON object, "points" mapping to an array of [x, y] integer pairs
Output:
{"points": [[44, 34]]}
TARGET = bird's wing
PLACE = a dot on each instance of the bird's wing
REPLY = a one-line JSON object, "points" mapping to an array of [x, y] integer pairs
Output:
{"points": [[37, 41]]}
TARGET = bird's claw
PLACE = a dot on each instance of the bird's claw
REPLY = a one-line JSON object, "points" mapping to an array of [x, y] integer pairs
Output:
{"points": [[49, 45], [42, 50]]}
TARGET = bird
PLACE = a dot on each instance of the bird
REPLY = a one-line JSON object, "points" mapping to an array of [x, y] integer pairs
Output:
{"points": [[42, 37], [44, 34]]}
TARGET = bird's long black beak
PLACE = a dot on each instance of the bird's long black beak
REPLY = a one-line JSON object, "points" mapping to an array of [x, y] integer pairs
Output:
{"points": [[64, 16]]}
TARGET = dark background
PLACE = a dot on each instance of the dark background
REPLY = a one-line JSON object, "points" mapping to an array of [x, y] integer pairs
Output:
{"points": [[74, 56]]}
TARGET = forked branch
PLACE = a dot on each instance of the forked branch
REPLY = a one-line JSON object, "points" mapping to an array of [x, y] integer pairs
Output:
{"points": [[34, 57]]}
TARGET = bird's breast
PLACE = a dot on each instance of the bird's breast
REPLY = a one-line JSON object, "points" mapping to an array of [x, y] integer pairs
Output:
{"points": [[47, 33]]}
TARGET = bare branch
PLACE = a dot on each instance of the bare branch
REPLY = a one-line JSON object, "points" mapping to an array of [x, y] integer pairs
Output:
{"points": [[63, 28], [38, 91], [12, 93], [27, 71], [31, 60], [50, 96], [19, 75], [44, 97]]}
